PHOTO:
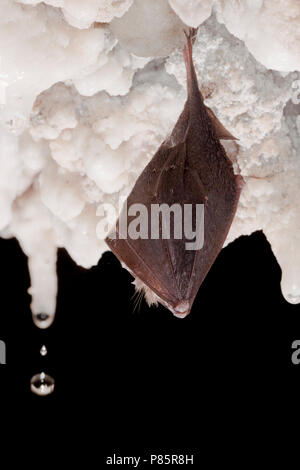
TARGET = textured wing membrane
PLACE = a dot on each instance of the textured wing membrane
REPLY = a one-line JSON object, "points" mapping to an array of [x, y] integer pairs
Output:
{"points": [[190, 168]]}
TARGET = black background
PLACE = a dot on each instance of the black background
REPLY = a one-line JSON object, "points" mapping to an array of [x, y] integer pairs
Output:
{"points": [[145, 379]]}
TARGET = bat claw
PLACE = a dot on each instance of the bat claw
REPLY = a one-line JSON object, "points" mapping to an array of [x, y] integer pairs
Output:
{"points": [[191, 34], [187, 50]]}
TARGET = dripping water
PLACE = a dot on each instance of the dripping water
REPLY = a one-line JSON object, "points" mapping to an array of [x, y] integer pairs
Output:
{"points": [[43, 351], [42, 384], [42, 320]]}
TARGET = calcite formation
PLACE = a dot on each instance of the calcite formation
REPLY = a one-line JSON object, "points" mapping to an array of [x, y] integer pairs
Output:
{"points": [[89, 90]]}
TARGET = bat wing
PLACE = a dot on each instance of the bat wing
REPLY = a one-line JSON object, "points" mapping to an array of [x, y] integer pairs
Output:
{"points": [[190, 168], [162, 264], [220, 130]]}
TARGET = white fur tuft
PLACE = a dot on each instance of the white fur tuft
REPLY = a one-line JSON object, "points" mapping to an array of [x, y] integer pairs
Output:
{"points": [[150, 296]]}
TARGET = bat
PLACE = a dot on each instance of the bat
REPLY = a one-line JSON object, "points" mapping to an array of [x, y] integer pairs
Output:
{"points": [[190, 169]]}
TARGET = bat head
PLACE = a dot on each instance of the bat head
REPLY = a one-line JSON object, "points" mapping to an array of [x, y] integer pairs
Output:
{"points": [[182, 309]]}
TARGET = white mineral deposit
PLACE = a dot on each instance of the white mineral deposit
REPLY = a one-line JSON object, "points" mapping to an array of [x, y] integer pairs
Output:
{"points": [[89, 90]]}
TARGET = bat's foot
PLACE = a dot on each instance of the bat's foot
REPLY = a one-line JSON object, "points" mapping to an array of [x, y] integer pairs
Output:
{"points": [[188, 51], [191, 34], [190, 39]]}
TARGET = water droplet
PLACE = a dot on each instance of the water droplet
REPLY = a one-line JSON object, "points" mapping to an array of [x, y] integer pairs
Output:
{"points": [[42, 320], [42, 384], [43, 351]]}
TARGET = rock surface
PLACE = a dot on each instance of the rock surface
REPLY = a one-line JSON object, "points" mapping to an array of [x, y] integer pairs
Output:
{"points": [[88, 93]]}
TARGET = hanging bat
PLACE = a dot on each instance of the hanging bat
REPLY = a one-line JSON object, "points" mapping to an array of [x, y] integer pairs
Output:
{"points": [[190, 168]]}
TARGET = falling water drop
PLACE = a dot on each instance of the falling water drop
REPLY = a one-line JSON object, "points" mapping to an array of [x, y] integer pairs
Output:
{"points": [[42, 384], [43, 351], [42, 320]]}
